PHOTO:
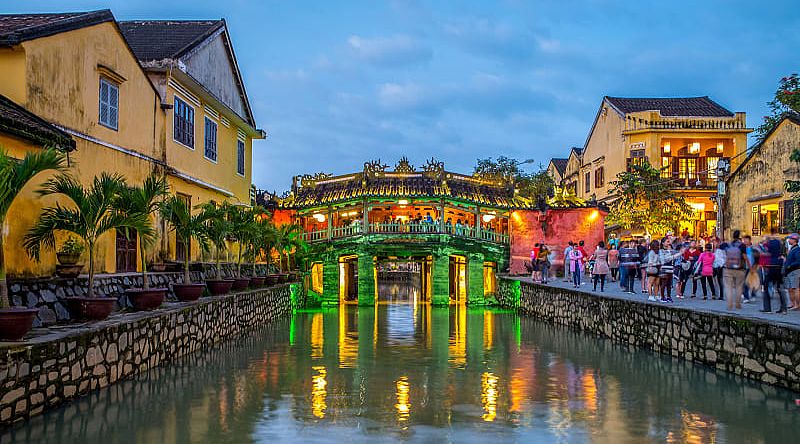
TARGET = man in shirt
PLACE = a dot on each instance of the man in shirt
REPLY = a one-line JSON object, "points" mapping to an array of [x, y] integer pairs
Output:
{"points": [[734, 272], [791, 271], [628, 264]]}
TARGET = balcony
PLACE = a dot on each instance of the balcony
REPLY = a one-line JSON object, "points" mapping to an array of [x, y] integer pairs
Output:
{"points": [[406, 229], [695, 182], [653, 121]]}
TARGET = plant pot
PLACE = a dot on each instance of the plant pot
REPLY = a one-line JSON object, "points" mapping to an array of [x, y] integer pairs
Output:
{"points": [[143, 300], [188, 292], [158, 268], [173, 266], [68, 271], [67, 258], [272, 279], [218, 287], [240, 284], [256, 281], [16, 322], [93, 309]]}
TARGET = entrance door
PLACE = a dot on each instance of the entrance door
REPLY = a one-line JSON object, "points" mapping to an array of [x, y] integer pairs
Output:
{"points": [[126, 251], [458, 278], [348, 279]]}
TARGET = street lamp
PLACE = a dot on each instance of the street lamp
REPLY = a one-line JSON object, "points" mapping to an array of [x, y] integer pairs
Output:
{"points": [[723, 167]]}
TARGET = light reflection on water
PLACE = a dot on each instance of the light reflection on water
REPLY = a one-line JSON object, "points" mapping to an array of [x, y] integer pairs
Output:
{"points": [[413, 372]]}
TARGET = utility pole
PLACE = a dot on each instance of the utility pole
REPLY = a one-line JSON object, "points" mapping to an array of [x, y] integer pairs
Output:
{"points": [[723, 167]]}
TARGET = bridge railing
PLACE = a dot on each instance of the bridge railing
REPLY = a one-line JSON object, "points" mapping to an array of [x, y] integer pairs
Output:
{"points": [[408, 228]]}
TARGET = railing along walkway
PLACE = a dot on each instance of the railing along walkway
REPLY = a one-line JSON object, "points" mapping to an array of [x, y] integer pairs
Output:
{"points": [[410, 228]]}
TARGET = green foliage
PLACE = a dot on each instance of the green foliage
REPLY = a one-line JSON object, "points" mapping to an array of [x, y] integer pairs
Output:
{"points": [[72, 246], [645, 200], [785, 100], [535, 187], [217, 228], [186, 226]]}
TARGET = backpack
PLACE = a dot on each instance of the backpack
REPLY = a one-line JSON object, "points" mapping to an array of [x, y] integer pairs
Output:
{"points": [[733, 256]]}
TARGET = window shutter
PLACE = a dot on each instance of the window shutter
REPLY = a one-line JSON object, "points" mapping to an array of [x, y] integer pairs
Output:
{"points": [[786, 209]]}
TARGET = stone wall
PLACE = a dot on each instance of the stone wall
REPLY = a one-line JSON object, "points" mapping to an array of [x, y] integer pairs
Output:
{"points": [[49, 370], [754, 349], [46, 294]]}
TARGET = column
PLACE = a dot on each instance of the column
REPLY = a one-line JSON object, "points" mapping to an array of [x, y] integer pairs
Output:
{"points": [[330, 223], [330, 282], [441, 216], [441, 280], [366, 280], [365, 222], [475, 279], [478, 222]]}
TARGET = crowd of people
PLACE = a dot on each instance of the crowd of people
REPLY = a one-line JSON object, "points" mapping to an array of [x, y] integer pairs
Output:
{"points": [[737, 271]]}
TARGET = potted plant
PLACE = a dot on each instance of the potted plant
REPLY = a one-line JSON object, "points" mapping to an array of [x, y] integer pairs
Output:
{"points": [[289, 239], [14, 175], [217, 229], [259, 235], [68, 256], [242, 226], [177, 212], [141, 203], [159, 265], [90, 215]]}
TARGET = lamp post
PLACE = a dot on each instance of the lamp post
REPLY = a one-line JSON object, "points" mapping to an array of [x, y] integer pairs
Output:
{"points": [[723, 166]]}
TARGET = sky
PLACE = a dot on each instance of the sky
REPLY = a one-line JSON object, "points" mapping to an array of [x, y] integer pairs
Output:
{"points": [[339, 83]]}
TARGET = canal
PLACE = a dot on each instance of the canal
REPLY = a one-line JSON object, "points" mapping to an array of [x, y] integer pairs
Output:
{"points": [[405, 371]]}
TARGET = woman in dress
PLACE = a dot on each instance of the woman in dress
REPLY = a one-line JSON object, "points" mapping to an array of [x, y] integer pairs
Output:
{"points": [[613, 261], [601, 267], [576, 266]]}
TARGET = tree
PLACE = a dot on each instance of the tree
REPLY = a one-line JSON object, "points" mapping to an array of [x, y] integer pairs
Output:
{"points": [[534, 187], [646, 200], [91, 215], [785, 100], [186, 226], [14, 175], [244, 229], [143, 201], [217, 229]]}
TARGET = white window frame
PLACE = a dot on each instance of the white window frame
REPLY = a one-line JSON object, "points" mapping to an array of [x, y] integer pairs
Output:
{"points": [[206, 121], [112, 86], [175, 99], [244, 157]]}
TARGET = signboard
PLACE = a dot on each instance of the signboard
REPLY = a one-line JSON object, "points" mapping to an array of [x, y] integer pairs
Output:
{"points": [[637, 145]]}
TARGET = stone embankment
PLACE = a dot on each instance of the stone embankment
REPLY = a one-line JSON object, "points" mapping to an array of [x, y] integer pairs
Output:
{"points": [[64, 362], [752, 348]]}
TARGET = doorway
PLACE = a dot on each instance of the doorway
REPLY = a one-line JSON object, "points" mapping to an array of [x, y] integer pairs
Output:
{"points": [[126, 251], [458, 279], [348, 279]]}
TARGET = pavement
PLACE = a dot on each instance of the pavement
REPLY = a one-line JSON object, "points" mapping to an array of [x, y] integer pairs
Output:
{"points": [[748, 311]]}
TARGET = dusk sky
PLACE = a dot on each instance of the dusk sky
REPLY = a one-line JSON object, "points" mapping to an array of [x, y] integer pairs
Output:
{"points": [[337, 83]]}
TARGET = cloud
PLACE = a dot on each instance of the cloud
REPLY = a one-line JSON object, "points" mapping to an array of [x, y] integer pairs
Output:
{"points": [[389, 51], [485, 37]]}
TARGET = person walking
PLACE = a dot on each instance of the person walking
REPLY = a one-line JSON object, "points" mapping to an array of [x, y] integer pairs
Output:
{"points": [[666, 257], [585, 260], [613, 261], [601, 268], [706, 264], [535, 263], [719, 264], [543, 263], [567, 251], [629, 265], [772, 263], [651, 267], [734, 272], [575, 266], [791, 271], [753, 253]]}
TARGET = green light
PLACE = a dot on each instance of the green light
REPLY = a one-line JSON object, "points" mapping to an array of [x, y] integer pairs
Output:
{"points": [[291, 332]]}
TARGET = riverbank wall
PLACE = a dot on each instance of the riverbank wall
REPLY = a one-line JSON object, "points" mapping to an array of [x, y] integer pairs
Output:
{"points": [[754, 349], [59, 364]]}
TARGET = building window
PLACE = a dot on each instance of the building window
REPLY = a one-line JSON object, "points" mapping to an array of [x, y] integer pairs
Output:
{"points": [[109, 104], [587, 182], [316, 278], [687, 168], [240, 157], [637, 158], [210, 137], [183, 123], [599, 178], [666, 167], [766, 219], [711, 167]]}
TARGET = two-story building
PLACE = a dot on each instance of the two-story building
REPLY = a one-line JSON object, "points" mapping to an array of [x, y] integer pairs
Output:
{"points": [[187, 118], [685, 137]]}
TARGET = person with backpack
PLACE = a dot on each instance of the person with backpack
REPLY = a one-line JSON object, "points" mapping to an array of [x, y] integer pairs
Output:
{"points": [[706, 264], [666, 256], [629, 265], [734, 272], [772, 263], [791, 271]]}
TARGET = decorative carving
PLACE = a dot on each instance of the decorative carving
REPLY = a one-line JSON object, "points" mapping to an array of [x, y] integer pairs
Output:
{"points": [[315, 176], [564, 198], [433, 166], [374, 166], [403, 166]]}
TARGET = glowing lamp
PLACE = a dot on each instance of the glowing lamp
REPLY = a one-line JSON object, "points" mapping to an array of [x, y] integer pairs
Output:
{"points": [[694, 147], [403, 202], [319, 217], [667, 147], [488, 217], [720, 147], [594, 215]]}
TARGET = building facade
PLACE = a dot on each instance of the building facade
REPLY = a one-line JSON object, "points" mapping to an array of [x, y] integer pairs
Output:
{"points": [[757, 201], [81, 73]]}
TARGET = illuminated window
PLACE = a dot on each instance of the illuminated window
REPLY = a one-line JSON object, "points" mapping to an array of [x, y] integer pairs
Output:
{"points": [[599, 178], [316, 278], [711, 167], [687, 168], [666, 166], [489, 278]]}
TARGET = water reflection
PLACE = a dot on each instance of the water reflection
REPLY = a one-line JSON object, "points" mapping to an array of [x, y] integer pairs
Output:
{"points": [[408, 371]]}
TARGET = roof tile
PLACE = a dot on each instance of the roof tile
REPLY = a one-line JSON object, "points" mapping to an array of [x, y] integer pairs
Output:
{"points": [[674, 106]]}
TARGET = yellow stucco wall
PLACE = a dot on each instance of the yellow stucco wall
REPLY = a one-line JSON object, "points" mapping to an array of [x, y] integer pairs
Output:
{"points": [[605, 141], [12, 65]]}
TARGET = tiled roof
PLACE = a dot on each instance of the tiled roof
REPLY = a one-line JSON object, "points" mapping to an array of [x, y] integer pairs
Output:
{"points": [[166, 39], [560, 164], [20, 122], [577, 151], [675, 106], [17, 28]]}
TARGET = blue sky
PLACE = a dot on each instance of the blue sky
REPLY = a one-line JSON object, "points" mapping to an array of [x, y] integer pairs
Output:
{"points": [[337, 83]]}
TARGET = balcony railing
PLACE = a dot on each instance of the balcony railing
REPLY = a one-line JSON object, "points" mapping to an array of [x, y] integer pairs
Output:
{"points": [[465, 231]]}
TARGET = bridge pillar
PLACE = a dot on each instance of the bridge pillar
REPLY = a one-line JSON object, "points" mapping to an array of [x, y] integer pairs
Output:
{"points": [[366, 280], [475, 279], [440, 277], [330, 283]]}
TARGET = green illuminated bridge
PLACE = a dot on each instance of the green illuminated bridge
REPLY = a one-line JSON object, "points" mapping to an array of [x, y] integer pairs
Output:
{"points": [[451, 230]]}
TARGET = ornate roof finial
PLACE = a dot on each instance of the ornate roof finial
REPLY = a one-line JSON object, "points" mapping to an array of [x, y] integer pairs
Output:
{"points": [[403, 166], [374, 166], [433, 166]]}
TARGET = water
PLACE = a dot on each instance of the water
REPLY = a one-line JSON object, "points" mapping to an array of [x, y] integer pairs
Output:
{"points": [[409, 372]]}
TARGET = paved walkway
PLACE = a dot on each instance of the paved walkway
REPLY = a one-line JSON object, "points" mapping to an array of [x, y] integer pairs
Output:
{"points": [[748, 311]]}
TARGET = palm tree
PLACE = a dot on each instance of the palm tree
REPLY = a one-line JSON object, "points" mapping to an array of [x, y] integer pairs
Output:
{"points": [[217, 228], [243, 229], [14, 175], [177, 212], [289, 238], [264, 236], [144, 201], [91, 215]]}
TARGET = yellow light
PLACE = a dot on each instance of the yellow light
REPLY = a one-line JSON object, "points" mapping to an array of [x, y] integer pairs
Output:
{"points": [[402, 202], [489, 396], [720, 147], [667, 147], [403, 405], [694, 148], [488, 217], [698, 206], [594, 215], [319, 391], [319, 217]]}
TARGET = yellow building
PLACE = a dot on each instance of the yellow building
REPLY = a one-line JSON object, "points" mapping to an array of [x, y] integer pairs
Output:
{"points": [[79, 72], [757, 202], [686, 137]]}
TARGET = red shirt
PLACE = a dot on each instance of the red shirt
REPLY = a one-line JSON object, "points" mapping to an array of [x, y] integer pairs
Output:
{"points": [[583, 252], [689, 255]]}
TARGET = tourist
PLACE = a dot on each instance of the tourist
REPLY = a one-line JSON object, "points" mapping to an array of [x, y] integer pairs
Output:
{"points": [[613, 242], [641, 249], [688, 264], [791, 269], [629, 262], [753, 254], [585, 259], [575, 266], [772, 263], [535, 263], [600, 269], [719, 264], [706, 264], [613, 261], [651, 268], [666, 256], [567, 251], [733, 274], [543, 262]]}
